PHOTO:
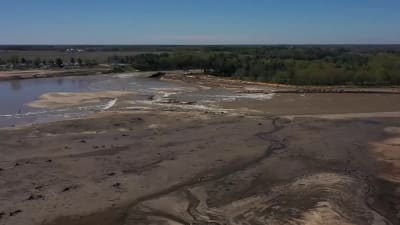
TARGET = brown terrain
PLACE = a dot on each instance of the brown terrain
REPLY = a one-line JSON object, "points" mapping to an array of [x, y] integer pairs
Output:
{"points": [[250, 162]]}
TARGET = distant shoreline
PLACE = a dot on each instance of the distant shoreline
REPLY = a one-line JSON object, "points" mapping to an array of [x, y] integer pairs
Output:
{"points": [[32, 74], [259, 87], [207, 80]]}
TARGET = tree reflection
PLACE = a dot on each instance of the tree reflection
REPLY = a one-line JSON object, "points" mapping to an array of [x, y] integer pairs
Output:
{"points": [[60, 82], [15, 85]]}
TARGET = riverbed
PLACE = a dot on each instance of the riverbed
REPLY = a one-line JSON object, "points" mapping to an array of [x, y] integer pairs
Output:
{"points": [[125, 149], [17, 95]]}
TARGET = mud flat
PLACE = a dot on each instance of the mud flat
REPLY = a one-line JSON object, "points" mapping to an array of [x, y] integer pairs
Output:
{"points": [[163, 160], [60, 100], [257, 87]]}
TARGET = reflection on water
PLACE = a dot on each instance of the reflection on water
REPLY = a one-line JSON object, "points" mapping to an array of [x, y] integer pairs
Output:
{"points": [[15, 94], [15, 85], [60, 82]]}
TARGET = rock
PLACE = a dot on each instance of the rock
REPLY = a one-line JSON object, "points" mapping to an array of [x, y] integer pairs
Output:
{"points": [[168, 101], [15, 212], [69, 188], [117, 185], [157, 75], [188, 103], [35, 197], [39, 187]]}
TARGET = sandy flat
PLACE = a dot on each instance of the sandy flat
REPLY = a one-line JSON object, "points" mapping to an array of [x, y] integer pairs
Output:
{"points": [[60, 100], [169, 162]]}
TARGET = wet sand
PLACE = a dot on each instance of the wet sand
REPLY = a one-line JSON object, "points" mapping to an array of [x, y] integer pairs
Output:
{"points": [[172, 162], [60, 100], [329, 103]]}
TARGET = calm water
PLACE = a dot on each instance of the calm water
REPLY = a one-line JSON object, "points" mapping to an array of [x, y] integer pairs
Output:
{"points": [[15, 94]]}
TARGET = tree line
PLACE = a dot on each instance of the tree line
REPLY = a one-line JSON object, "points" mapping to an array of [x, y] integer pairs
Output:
{"points": [[22, 62], [301, 65], [286, 65]]}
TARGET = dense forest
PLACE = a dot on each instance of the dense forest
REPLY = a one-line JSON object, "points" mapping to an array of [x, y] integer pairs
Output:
{"points": [[288, 65], [303, 65], [17, 62]]}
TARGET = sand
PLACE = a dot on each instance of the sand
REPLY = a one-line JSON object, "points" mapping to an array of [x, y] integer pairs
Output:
{"points": [[164, 164], [63, 100]]}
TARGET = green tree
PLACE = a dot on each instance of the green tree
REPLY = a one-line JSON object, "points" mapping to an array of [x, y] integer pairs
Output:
{"points": [[13, 60], [59, 62], [37, 62]]}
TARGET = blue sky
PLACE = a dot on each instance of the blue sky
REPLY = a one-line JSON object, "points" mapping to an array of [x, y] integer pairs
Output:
{"points": [[199, 21]]}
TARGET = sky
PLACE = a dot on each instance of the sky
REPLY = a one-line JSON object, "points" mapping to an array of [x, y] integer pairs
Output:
{"points": [[199, 22]]}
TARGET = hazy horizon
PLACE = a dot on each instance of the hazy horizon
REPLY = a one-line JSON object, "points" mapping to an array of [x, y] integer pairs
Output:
{"points": [[227, 44], [179, 22]]}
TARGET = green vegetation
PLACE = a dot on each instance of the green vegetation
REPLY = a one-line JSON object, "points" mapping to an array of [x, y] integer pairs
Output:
{"points": [[16, 62], [302, 65], [287, 65]]}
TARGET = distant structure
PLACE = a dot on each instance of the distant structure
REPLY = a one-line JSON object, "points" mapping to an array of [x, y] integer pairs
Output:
{"points": [[73, 50]]}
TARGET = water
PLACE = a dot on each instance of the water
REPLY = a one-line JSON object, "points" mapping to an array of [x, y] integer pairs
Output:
{"points": [[15, 94]]}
